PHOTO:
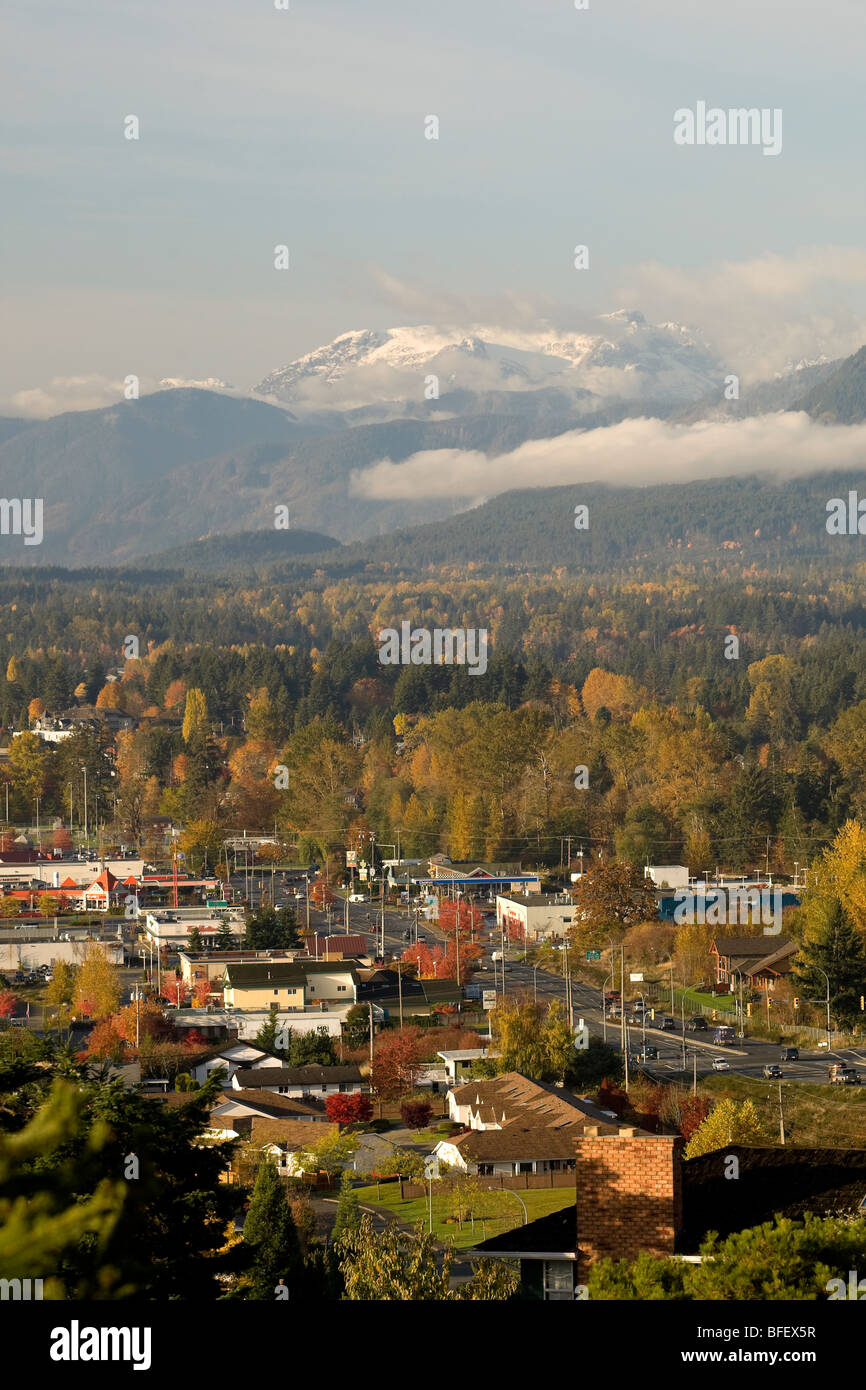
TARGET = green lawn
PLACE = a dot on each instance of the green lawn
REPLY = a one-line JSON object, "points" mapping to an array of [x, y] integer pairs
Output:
{"points": [[505, 1211]]}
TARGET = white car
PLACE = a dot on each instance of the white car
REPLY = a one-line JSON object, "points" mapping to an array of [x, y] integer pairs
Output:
{"points": [[719, 1064], [357, 898]]}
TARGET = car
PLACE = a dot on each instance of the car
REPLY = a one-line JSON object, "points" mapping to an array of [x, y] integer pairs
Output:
{"points": [[790, 1054], [648, 1053], [356, 897], [719, 1064], [667, 1024], [698, 1024], [843, 1075], [48, 977], [772, 1071]]}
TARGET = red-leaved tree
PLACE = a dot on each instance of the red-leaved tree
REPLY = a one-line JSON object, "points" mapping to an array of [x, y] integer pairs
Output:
{"points": [[415, 1114], [349, 1109], [397, 1062], [8, 1003]]}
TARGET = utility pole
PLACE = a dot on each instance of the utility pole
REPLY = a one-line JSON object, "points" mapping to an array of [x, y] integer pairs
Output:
{"points": [[370, 1007], [695, 1075], [781, 1117], [400, 988], [623, 1024]]}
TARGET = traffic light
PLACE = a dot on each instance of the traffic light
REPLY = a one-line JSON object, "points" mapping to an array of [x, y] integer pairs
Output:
{"points": [[862, 1004], [796, 1001], [748, 1011]]}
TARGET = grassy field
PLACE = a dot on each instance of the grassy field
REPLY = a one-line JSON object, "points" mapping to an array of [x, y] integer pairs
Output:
{"points": [[815, 1116], [502, 1211]]}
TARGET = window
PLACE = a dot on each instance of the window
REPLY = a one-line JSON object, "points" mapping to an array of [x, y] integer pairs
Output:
{"points": [[341, 988], [524, 1168], [558, 1281], [276, 991], [485, 1170]]}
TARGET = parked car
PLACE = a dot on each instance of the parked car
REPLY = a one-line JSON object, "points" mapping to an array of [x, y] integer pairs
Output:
{"points": [[719, 1064], [790, 1054], [698, 1024], [772, 1071]]}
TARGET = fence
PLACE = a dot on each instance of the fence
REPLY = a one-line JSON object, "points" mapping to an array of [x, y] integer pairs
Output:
{"points": [[507, 1182]]}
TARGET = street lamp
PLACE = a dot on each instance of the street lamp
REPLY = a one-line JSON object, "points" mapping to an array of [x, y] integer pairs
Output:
{"points": [[512, 1193], [827, 978]]}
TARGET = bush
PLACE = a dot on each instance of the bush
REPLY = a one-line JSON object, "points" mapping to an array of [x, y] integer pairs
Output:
{"points": [[415, 1114]]}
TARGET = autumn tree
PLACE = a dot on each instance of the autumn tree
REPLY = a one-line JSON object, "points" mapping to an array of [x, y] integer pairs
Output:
{"points": [[348, 1109], [397, 1062], [727, 1123], [97, 986], [610, 895]]}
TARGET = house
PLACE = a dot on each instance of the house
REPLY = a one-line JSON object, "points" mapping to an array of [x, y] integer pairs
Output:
{"points": [[514, 1125], [750, 957], [337, 947], [211, 964], [459, 1062], [232, 1114], [291, 985], [300, 1082], [287, 1141], [535, 916], [232, 1056]]}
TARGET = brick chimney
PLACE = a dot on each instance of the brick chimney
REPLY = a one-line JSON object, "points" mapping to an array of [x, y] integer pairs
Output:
{"points": [[629, 1194]]}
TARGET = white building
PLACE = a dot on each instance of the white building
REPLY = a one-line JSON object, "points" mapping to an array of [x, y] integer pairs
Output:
{"points": [[667, 875], [536, 916]]}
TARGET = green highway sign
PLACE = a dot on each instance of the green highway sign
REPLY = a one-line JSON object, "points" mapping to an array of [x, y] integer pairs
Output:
{"points": [[593, 955]]}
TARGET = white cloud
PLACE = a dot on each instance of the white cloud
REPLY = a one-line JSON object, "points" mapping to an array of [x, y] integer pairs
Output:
{"points": [[765, 313], [634, 452]]}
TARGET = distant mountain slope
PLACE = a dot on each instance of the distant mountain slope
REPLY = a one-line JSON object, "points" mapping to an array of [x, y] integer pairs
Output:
{"points": [[760, 520], [10, 424], [243, 550], [841, 398], [783, 393]]}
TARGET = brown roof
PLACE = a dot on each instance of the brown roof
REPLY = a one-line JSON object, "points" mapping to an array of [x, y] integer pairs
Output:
{"points": [[512, 1096], [289, 1134], [516, 1142], [755, 946], [269, 1103]]}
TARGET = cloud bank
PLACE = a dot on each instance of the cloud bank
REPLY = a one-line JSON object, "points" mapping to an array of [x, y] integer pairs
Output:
{"points": [[632, 453]]}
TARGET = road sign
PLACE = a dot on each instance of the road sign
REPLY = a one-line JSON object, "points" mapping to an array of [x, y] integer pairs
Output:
{"points": [[488, 999], [593, 955], [581, 1037], [635, 978], [351, 859]]}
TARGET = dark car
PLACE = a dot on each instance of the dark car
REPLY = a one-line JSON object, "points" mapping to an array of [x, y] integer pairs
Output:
{"points": [[698, 1024], [667, 1024], [773, 1071], [790, 1054], [648, 1053]]}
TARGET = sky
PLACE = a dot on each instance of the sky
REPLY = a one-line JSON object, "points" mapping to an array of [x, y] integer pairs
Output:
{"points": [[306, 127]]}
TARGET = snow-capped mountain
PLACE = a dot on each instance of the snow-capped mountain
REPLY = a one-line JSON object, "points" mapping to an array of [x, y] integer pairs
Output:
{"points": [[627, 359]]}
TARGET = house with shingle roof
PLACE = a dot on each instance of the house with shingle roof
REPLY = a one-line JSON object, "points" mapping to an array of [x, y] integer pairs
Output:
{"points": [[515, 1125]]}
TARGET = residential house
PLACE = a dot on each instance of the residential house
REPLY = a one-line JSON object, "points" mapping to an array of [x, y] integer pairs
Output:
{"points": [[300, 1082], [290, 985], [762, 960], [514, 1125]]}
